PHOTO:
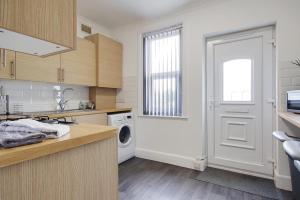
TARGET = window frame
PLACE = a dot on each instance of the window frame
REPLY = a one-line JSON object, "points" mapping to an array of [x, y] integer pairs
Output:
{"points": [[143, 78]]}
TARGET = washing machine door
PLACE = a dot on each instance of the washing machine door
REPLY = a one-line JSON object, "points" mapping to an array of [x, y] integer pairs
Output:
{"points": [[124, 136]]}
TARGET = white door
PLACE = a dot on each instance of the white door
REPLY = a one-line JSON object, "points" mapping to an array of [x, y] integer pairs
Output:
{"points": [[240, 101]]}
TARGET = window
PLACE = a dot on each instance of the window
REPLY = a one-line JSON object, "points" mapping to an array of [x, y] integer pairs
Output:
{"points": [[162, 81], [237, 80]]}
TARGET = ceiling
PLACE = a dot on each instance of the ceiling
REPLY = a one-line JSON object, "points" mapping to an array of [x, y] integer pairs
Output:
{"points": [[114, 13]]}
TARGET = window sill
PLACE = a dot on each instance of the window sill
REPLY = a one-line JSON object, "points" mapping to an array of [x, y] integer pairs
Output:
{"points": [[164, 117]]}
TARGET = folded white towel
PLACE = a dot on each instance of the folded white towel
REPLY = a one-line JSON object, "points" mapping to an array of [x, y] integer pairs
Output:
{"points": [[61, 130], [32, 126]]}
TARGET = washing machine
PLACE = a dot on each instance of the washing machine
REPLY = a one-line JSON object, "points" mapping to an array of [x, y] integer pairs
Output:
{"points": [[126, 137]]}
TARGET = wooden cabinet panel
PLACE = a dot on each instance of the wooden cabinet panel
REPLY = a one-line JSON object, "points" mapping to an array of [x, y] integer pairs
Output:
{"points": [[103, 98], [8, 65], [34, 68], [79, 66], [109, 61], [87, 172], [100, 119], [49, 20]]}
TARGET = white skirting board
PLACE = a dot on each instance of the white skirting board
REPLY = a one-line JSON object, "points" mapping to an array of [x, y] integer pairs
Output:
{"points": [[182, 161], [282, 182]]}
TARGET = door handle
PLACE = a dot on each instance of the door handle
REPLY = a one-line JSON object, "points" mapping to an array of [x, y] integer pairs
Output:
{"points": [[211, 104], [271, 101]]}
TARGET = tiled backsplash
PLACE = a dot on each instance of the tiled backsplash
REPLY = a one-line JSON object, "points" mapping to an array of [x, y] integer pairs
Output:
{"points": [[27, 96], [127, 96], [289, 79]]}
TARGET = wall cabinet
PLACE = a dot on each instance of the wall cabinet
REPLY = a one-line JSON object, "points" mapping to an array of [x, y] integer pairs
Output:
{"points": [[33, 68], [7, 64], [76, 67], [91, 64], [39, 27], [79, 66], [109, 61]]}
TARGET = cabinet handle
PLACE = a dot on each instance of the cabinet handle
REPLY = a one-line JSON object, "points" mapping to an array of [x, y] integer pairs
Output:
{"points": [[63, 75], [1, 58], [58, 74], [4, 58], [12, 69]]}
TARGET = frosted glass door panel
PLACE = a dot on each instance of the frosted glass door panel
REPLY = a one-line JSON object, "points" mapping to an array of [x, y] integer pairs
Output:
{"points": [[237, 80]]}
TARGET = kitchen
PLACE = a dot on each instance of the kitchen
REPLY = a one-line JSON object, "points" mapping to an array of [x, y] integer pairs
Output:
{"points": [[135, 85]]}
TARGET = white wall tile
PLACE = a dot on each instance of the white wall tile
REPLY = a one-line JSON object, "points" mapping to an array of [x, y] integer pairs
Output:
{"points": [[289, 79], [127, 96], [27, 96]]}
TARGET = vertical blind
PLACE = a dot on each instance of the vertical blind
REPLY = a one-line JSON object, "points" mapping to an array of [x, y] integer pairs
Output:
{"points": [[162, 82]]}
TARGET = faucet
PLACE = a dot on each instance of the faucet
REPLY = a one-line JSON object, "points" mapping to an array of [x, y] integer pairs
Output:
{"points": [[61, 96]]}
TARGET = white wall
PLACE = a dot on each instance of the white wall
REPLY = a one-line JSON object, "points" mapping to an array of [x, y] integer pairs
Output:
{"points": [[96, 28], [181, 141]]}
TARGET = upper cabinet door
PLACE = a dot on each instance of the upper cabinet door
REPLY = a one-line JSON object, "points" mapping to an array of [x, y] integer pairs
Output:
{"points": [[7, 64], [38, 27], [33, 68], [109, 61], [79, 66]]}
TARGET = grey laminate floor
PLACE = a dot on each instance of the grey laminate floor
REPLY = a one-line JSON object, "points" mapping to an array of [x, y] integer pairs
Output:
{"points": [[141, 179]]}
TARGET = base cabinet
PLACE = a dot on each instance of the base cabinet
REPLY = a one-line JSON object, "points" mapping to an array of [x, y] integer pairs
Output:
{"points": [[86, 172]]}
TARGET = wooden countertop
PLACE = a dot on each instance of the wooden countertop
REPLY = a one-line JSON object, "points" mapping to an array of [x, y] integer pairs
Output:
{"points": [[291, 118], [12, 117], [78, 112], [71, 113], [80, 134]]}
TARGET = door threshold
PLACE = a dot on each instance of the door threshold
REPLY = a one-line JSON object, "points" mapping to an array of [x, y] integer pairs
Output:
{"points": [[240, 171]]}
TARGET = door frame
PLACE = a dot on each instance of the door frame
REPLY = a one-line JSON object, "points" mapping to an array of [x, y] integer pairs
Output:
{"points": [[208, 86]]}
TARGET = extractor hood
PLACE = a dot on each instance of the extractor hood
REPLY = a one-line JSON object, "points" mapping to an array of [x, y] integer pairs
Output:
{"points": [[22, 43]]}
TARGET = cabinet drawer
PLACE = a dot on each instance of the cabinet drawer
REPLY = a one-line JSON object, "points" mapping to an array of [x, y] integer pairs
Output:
{"points": [[99, 119]]}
